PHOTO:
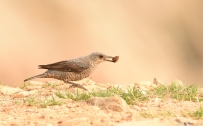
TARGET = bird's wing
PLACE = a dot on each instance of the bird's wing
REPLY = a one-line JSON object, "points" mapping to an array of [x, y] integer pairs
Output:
{"points": [[67, 66]]}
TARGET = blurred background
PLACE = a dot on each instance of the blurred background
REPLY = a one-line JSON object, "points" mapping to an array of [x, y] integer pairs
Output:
{"points": [[162, 39]]}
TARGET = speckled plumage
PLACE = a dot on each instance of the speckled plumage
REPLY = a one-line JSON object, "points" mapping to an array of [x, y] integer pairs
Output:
{"points": [[73, 69]]}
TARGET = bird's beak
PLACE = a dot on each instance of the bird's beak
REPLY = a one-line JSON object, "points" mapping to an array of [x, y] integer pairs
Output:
{"points": [[112, 59], [109, 58]]}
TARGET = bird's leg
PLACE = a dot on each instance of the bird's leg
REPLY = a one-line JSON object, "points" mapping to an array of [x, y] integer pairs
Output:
{"points": [[75, 85]]}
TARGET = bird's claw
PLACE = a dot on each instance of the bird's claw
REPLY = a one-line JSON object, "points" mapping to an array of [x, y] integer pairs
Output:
{"points": [[78, 86]]}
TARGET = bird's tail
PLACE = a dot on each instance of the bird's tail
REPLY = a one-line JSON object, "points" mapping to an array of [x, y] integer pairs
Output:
{"points": [[37, 76]]}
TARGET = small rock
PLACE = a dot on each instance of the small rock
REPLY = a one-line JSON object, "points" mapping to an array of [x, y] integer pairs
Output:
{"points": [[25, 94], [9, 90], [55, 82], [184, 120], [14, 124], [103, 85], [42, 117], [36, 83], [157, 82], [111, 103], [33, 87], [59, 122]]}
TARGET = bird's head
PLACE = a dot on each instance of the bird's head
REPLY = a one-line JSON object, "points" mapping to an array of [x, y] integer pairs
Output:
{"points": [[98, 57]]}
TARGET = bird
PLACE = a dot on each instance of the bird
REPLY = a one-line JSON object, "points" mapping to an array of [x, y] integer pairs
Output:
{"points": [[74, 69]]}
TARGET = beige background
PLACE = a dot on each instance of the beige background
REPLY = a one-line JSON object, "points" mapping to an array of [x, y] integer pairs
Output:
{"points": [[162, 38]]}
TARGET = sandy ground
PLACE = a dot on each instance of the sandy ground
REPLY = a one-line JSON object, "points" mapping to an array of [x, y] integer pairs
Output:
{"points": [[17, 109]]}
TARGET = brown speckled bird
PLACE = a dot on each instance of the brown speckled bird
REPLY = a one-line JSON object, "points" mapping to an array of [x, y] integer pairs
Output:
{"points": [[74, 69]]}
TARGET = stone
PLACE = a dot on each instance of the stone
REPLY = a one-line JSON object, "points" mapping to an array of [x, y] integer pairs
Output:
{"points": [[37, 83], [157, 82], [33, 87], [25, 94], [110, 103], [103, 85], [85, 81], [184, 120], [9, 90]]}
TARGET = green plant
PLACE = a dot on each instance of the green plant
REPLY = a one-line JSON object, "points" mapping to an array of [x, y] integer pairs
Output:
{"points": [[84, 96], [30, 101], [134, 95], [69, 95], [190, 93], [197, 114], [60, 94], [81, 96], [161, 91], [179, 92], [108, 93], [24, 85], [46, 85], [50, 102], [77, 97]]}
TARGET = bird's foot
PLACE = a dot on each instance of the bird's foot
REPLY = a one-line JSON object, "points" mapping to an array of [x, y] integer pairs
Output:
{"points": [[78, 86]]}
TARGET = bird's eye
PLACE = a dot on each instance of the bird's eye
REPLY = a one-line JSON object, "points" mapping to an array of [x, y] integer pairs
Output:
{"points": [[101, 56]]}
